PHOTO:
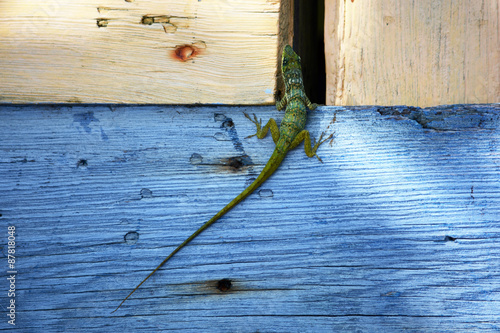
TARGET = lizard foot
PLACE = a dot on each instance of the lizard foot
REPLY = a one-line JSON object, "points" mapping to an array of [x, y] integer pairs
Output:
{"points": [[319, 142], [257, 123], [312, 106]]}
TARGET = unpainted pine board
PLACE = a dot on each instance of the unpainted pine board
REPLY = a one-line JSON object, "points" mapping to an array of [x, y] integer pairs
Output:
{"points": [[420, 53], [166, 51], [396, 231]]}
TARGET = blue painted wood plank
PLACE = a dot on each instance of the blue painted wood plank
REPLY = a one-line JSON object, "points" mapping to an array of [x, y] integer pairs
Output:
{"points": [[397, 230]]}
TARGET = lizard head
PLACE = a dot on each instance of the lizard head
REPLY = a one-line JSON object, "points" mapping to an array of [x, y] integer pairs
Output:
{"points": [[291, 68]]}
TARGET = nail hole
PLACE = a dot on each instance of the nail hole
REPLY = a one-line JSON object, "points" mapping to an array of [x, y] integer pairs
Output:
{"points": [[131, 237], [102, 22], [265, 193], [146, 193], [219, 117], [220, 136], [196, 159], [147, 20], [82, 163], [224, 285], [237, 162], [228, 124]]}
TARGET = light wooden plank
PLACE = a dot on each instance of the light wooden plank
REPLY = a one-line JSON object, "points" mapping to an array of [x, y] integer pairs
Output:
{"points": [[421, 53], [396, 231], [123, 52]]}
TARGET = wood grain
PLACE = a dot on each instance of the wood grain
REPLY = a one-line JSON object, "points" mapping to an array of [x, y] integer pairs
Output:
{"points": [[396, 231], [125, 52], [420, 53]]}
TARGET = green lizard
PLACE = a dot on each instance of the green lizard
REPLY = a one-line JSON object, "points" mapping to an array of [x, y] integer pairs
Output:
{"points": [[288, 136]]}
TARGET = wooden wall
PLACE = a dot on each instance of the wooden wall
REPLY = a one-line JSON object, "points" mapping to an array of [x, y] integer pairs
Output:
{"points": [[420, 53], [161, 51], [396, 231]]}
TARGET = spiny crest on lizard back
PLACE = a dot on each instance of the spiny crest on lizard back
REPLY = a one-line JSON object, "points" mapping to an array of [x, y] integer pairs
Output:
{"points": [[291, 68]]}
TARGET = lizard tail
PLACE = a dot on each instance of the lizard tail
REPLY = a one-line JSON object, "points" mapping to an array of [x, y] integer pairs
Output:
{"points": [[271, 166]]}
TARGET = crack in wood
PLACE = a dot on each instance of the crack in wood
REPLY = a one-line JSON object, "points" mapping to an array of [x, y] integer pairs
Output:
{"points": [[447, 117]]}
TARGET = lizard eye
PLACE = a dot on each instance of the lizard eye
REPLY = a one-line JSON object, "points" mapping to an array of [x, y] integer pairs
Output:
{"points": [[285, 62]]}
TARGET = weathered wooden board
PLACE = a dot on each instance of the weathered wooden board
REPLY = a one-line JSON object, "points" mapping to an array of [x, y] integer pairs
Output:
{"points": [[421, 53], [148, 51], [398, 229]]}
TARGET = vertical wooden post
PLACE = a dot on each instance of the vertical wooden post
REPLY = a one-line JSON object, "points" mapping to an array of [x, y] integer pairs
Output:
{"points": [[420, 53]]}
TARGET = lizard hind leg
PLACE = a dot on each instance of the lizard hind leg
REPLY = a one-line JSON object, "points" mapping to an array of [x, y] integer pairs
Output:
{"points": [[262, 131], [308, 148]]}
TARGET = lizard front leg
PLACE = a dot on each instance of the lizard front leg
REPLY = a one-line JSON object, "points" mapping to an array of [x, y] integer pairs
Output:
{"points": [[262, 131], [310, 105], [310, 150], [281, 104]]}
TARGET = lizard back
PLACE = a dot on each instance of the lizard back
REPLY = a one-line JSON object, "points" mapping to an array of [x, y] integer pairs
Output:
{"points": [[295, 117]]}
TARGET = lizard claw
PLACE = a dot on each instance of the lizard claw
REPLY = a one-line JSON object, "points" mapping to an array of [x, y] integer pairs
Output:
{"points": [[254, 120], [328, 138], [257, 123], [319, 142]]}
